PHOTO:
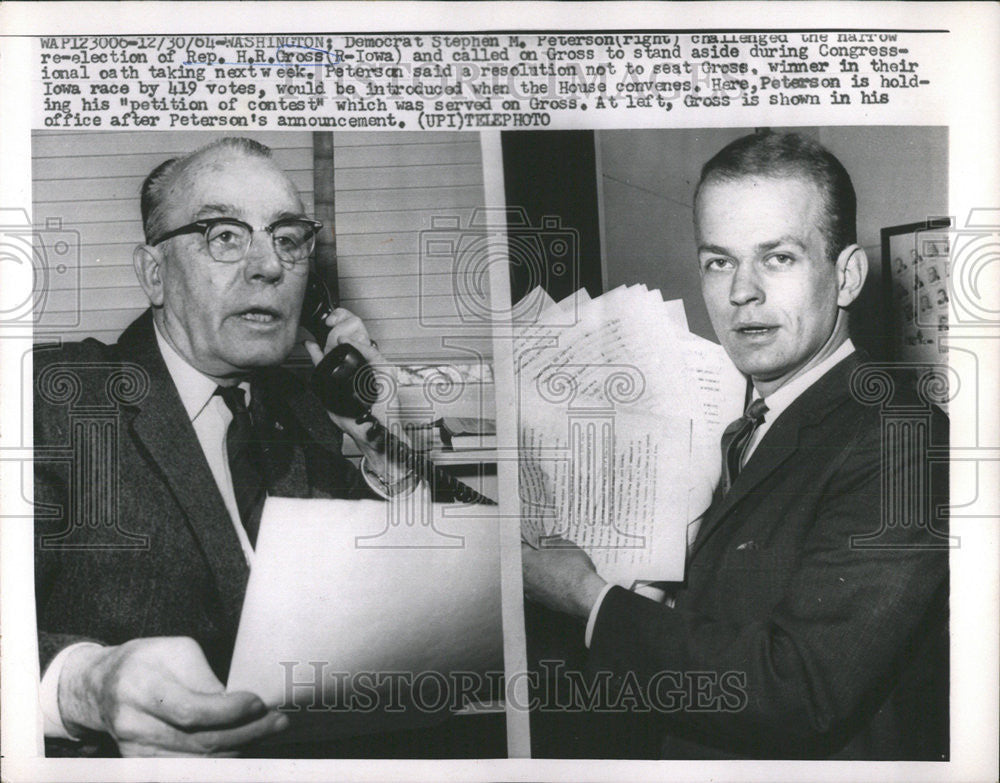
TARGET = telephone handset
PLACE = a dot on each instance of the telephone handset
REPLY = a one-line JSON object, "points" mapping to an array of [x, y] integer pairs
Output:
{"points": [[346, 384], [342, 371]]}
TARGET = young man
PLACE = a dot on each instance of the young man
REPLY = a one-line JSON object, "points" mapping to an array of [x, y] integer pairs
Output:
{"points": [[814, 634]]}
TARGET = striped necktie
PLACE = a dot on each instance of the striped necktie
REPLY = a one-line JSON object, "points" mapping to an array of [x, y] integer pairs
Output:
{"points": [[736, 438], [245, 461]]}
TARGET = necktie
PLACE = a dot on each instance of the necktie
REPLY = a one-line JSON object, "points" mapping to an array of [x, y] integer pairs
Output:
{"points": [[245, 461], [736, 438]]}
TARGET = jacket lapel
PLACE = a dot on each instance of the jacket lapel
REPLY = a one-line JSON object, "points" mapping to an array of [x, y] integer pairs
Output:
{"points": [[161, 426], [290, 418], [781, 441], [291, 405]]}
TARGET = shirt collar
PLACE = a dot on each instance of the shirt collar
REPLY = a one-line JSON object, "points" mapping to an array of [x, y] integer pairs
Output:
{"points": [[779, 400], [194, 387]]}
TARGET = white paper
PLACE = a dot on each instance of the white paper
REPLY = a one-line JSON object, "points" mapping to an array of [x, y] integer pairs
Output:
{"points": [[618, 489], [367, 588], [621, 413]]}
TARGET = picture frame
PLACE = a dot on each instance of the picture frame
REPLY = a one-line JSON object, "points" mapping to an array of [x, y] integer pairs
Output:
{"points": [[915, 291]]}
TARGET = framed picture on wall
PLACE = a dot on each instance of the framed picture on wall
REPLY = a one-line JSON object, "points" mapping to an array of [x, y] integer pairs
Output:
{"points": [[915, 288]]}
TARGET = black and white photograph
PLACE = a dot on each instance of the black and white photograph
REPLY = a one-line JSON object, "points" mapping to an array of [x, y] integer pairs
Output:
{"points": [[800, 622], [556, 391], [184, 398]]}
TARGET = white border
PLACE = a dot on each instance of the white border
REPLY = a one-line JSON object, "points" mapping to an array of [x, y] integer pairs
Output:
{"points": [[970, 109]]}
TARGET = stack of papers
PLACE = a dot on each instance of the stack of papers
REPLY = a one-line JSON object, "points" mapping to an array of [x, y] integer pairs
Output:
{"points": [[621, 410]]}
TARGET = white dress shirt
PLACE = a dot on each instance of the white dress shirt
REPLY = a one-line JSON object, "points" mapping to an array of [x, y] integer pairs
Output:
{"points": [[210, 418], [776, 403]]}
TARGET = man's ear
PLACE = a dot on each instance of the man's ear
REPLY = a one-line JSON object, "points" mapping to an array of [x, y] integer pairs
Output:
{"points": [[148, 263], [852, 269]]}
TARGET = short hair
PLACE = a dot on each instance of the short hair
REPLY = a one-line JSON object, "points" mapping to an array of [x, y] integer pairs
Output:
{"points": [[156, 184], [770, 154]]}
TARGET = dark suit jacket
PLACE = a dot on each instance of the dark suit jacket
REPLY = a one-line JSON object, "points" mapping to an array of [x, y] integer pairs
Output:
{"points": [[132, 535], [812, 644]]}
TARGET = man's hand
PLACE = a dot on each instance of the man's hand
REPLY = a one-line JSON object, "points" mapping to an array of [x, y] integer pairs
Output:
{"points": [[345, 327], [561, 577], [158, 697]]}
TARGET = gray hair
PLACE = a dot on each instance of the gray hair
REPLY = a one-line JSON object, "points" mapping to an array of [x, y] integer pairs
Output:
{"points": [[155, 186]]}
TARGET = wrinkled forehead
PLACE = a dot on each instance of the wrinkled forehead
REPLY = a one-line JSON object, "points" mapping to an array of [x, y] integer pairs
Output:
{"points": [[233, 184]]}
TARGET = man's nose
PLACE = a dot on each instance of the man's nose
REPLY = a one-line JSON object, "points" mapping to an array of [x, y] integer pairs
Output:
{"points": [[262, 261], [745, 286]]}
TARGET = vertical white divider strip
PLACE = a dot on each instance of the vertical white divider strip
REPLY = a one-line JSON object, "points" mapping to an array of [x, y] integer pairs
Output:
{"points": [[515, 658]]}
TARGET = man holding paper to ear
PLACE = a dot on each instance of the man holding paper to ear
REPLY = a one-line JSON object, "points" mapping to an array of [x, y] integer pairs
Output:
{"points": [[137, 614], [826, 607]]}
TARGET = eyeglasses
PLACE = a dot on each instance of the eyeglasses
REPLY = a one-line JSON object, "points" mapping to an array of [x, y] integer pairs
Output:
{"points": [[228, 239]]}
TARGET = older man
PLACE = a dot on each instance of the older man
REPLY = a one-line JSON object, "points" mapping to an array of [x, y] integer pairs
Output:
{"points": [[813, 619], [137, 614]]}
